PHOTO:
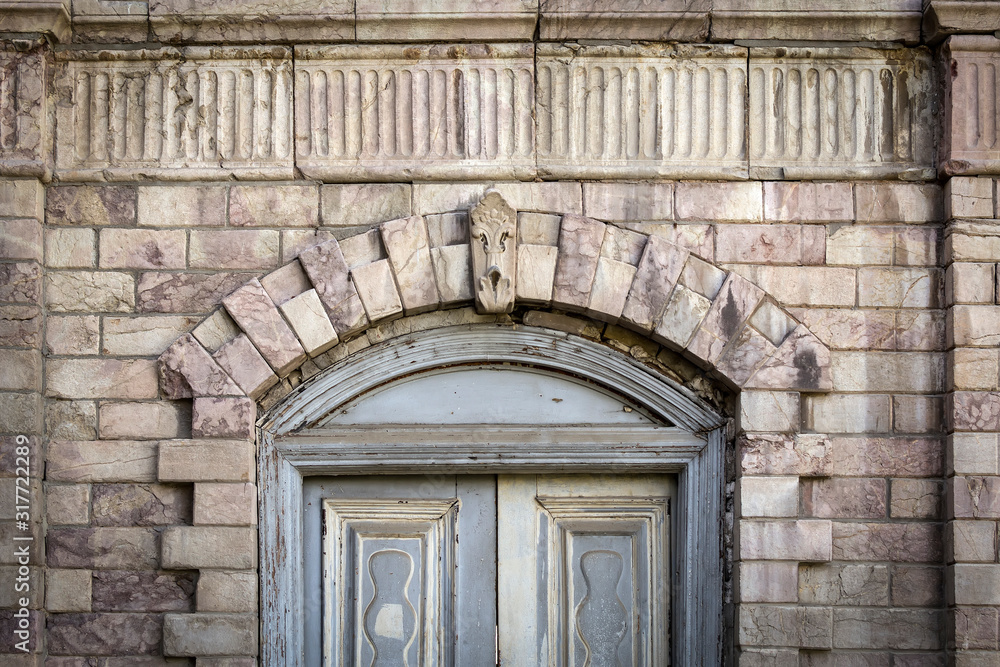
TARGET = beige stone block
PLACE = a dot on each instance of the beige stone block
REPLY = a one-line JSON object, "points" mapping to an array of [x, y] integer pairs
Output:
{"points": [[67, 504], [101, 378], [227, 590], [768, 497], [142, 249], [21, 239], [971, 241], [702, 277], [974, 453], [21, 370], [720, 202], [452, 229], [900, 288], [967, 197], [446, 20], [769, 411], [90, 292], [898, 202], [971, 541], [408, 247], [452, 274], [976, 584], [144, 421], [847, 413], [204, 634], [612, 281], [773, 322], [769, 244], [245, 365], [286, 282], [680, 319], [860, 244], [699, 239], [295, 241], [274, 205], [233, 249], [888, 371], [103, 462], [536, 267], [377, 290], [808, 202], [915, 499], [256, 314], [803, 286], [850, 329], [770, 625], [206, 461], [22, 198], [361, 249], [67, 590], [847, 585], [547, 197], [70, 248], [23, 412], [143, 336], [917, 414], [916, 246], [628, 201], [216, 330], [182, 206], [309, 321], [357, 204], [767, 581], [802, 540], [71, 420], [974, 326], [209, 547], [969, 282], [225, 504], [916, 629]]}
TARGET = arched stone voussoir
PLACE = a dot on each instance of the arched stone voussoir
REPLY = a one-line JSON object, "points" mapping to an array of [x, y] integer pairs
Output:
{"points": [[338, 289]]}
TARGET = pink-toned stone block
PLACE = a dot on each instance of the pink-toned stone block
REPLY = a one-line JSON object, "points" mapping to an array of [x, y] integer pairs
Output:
{"points": [[90, 205], [916, 246], [132, 379], [845, 498], [735, 302], [144, 421], [808, 202], [245, 366], [253, 310], [296, 241], [744, 355], [234, 249], [766, 581], [408, 247], [844, 329], [721, 202], [874, 456], [274, 205], [802, 540], [21, 239], [377, 289], [801, 363], [182, 206], [967, 197], [308, 318], [160, 292], [223, 418], [187, 369], [286, 283], [771, 454], [628, 201], [659, 268], [142, 249], [580, 241], [206, 461], [328, 271], [974, 497], [76, 335], [973, 410], [101, 462], [898, 202], [765, 244], [897, 542]]}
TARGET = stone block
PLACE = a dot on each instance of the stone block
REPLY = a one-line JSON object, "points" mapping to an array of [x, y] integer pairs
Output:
{"points": [[252, 22], [657, 273], [971, 541], [241, 360], [210, 634], [744, 355], [143, 336], [612, 281], [144, 421], [967, 146], [915, 586], [767, 581], [774, 625], [364, 204], [286, 282], [23, 412], [844, 585], [22, 282], [21, 198], [969, 282], [71, 420], [720, 202], [580, 241], [702, 277], [101, 378], [769, 454], [971, 241], [837, 497], [808, 202], [917, 330], [185, 292], [21, 326], [209, 547], [545, 197], [450, 20], [274, 205], [452, 229], [802, 540], [21, 239], [225, 504], [917, 414], [328, 270], [973, 410], [976, 497], [206, 461], [884, 457], [102, 548], [454, 279], [120, 591], [847, 413], [233, 249], [182, 206], [974, 326], [21, 370], [216, 330], [186, 370], [805, 285], [67, 590], [89, 291], [735, 302], [768, 411], [975, 627], [105, 635], [67, 504], [142, 249], [227, 590], [114, 461], [91, 205], [973, 369], [309, 321], [75, 335], [898, 202], [233, 417], [887, 628], [257, 315], [899, 288], [802, 362], [853, 245], [141, 504], [966, 197], [296, 241], [916, 246], [408, 247], [973, 454], [897, 542], [377, 289], [680, 319], [888, 371], [623, 202], [768, 497], [769, 244]]}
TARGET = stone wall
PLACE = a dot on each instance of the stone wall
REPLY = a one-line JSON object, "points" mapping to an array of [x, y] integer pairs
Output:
{"points": [[192, 204]]}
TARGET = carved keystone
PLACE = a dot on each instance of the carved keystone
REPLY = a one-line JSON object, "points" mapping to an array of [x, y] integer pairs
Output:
{"points": [[494, 253]]}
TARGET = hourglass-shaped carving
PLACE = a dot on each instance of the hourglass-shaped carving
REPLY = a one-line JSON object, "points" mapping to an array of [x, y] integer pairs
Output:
{"points": [[390, 621], [601, 618]]}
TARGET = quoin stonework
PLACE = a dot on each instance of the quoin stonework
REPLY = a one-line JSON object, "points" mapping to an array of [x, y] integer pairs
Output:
{"points": [[609, 332]]}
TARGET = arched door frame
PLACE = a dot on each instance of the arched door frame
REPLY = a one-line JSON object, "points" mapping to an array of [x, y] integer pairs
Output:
{"points": [[287, 455]]}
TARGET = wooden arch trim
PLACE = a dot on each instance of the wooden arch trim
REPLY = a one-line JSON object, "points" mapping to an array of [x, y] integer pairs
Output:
{"points": [[334, 291]]}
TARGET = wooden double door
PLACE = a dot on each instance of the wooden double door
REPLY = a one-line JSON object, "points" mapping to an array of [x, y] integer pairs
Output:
{"points": [[516, 570]]}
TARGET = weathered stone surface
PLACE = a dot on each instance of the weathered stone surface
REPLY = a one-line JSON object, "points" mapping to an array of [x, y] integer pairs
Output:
{"points": [[141, 504], [900, 288], [769, 496], [309, 321], [328, 271], [916, 246], [767, 454], [680, 319], [101, 378], [23, 412], [115, 461], [834, 498], [274, 206], [377, 289], [104, 634], [223, 418], [976, 497], [881, 456], [974, 326], [216, 330], [802, 362], [804, 286], [770, 244], [447, 20], [144, 421], [408, 248], [89, 291], [844, 585], [21, 370], [969, 282], [975, 628], [73, 335], [357, 204], [916, 499], [21, 282], [736, 301], [966, 197], [536, 270], [971, 241], [767, 625], [628, 201], [888, 371], [657, 273], [612, 281], [187, 369], [225, 504], [286, 282], [453, 275], [143, 336], [971, 541], [802, 540], [233, 249], [973, 410], [206, 461], [21, 326], [898, 202], [722, 202], [887, 628], [185, 292], [67, 504], [102, 548], [808, 202], [21, 239], [897, 542], [118, 591], [973, 453], [67, 590], [183, 206], [744, 355], [257, 315], [917, 586], [210, 634], [860, 244], [917, 414], [767, 581], [966, 147], [254, 21], [142, 249], [241, 360], [702, 277], [580, 241], [227, 590], [766, 411], [847, 413], [20, 197], [204, 547], [296, 241], [91, 205]]}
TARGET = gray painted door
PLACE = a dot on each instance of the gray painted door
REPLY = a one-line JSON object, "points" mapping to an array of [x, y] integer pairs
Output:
{"points": [[527, 570]]}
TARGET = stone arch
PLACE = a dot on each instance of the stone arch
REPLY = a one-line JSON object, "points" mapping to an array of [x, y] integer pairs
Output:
{"points": [[318, 305]]}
